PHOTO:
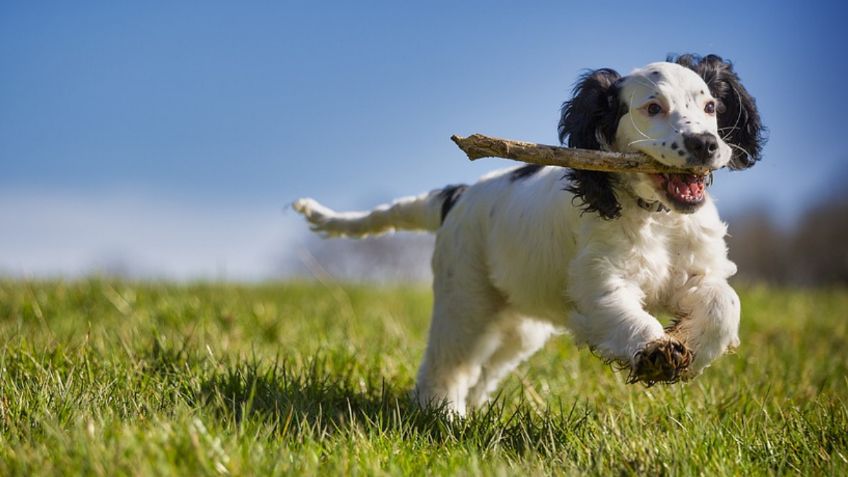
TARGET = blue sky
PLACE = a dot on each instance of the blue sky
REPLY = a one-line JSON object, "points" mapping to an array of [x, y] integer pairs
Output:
{"points": [[171, 135]]}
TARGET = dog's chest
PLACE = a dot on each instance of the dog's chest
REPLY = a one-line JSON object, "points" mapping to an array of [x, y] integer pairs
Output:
{"points": [[660, 260]]}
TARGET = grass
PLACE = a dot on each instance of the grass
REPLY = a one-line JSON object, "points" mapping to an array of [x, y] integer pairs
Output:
{"points": [[107, 377]]}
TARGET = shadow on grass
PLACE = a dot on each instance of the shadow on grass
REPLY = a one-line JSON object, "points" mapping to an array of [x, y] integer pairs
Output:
{"points": [[335, 394], [319, 400]]}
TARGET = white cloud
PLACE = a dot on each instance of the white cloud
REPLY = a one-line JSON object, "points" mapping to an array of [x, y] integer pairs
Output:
{"points": [[71, 235]]}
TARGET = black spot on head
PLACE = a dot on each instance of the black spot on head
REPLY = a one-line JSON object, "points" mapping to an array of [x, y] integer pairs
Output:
{"points": [[449, 196], [673, 145], [663, 143], [524, 172]]}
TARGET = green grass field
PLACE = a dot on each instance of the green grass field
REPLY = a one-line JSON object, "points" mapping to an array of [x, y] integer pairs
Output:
{"points": [[115, 378]]}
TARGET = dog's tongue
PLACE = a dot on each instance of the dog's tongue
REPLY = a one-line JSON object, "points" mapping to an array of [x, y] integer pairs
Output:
{"points": [[686, 187]]}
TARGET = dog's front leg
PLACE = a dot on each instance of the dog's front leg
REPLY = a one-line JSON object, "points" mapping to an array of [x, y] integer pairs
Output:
{"points": [[708, 312], [610, 318]]}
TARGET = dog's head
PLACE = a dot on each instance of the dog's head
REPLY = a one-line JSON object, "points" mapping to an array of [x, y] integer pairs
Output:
{"points": [[688, 111]]}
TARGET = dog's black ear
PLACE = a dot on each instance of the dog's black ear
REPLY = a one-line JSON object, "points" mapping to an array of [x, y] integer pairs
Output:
{"points": [[738, 119], [589, 121]]}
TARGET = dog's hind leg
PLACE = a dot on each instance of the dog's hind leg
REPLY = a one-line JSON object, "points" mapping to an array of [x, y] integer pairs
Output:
{"points": [[460, 341], [518, 340], [463, 332]]}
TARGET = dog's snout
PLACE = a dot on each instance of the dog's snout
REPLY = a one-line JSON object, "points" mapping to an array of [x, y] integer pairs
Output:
{"points": [[701, 145]]}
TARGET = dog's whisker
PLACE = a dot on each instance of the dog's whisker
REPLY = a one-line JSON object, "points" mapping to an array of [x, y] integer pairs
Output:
{"points": [[726, 132], [630, 115], [649, 80], [738, 115], [711, 80], [637, 141], [747, 154]]}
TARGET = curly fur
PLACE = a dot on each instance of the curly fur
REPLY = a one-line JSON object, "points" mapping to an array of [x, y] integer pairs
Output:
{"points": [[589, 121]]}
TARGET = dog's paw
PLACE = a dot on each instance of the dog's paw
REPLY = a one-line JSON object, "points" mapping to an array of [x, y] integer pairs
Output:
{"points": [[665, 360]]}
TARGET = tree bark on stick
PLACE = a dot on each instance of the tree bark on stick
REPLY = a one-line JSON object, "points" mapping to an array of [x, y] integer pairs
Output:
{"points": [[478, 145]]}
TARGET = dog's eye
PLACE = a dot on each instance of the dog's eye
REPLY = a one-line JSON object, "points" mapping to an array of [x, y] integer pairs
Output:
{"points": [[654, 109], [710, 108]]}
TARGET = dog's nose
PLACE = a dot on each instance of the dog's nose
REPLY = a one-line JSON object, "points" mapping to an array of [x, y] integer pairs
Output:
{"points": [[701, 145]]}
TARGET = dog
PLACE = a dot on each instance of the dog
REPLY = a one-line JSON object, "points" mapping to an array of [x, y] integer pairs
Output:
{"points": [[529, 252]]}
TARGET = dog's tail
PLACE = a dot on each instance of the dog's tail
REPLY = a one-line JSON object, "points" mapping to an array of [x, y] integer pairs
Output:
{"points": [[422, 212]]}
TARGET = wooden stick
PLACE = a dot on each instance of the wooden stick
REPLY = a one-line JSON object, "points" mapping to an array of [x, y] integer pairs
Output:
{"points": [[478, 145]]}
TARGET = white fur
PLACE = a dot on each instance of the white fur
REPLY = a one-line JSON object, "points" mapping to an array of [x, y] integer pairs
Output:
{"points": [[516, 261]]}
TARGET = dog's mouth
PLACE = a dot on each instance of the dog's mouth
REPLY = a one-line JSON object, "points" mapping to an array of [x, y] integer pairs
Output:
{"points": [[684, 190]]}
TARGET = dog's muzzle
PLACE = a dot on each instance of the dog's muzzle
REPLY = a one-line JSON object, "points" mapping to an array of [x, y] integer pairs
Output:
{"points": [[702, 146]]}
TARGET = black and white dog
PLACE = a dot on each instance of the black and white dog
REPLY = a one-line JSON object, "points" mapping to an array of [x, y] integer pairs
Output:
{"points": [[529, 251]]}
